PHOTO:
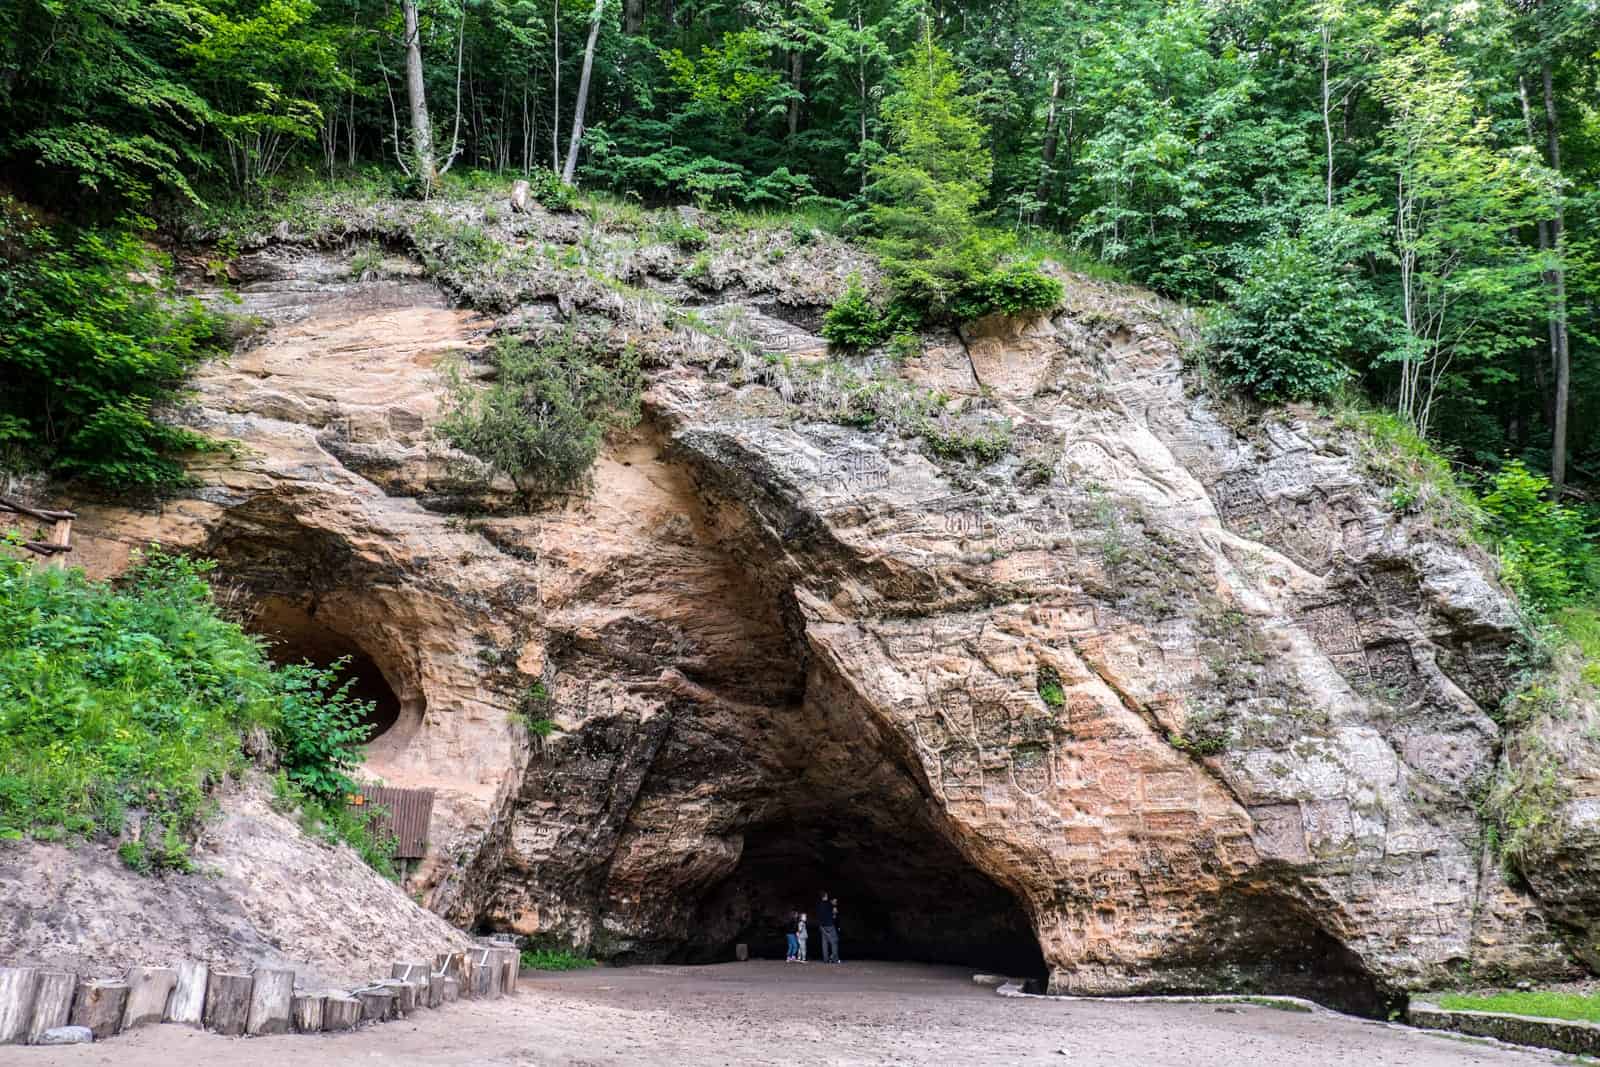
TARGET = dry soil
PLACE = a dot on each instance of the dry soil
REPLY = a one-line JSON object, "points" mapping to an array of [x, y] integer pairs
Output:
{"points": [[775, 1013]]}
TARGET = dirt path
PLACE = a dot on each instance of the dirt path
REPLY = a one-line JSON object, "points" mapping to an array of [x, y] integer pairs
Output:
{"points": [[773, 1013]]}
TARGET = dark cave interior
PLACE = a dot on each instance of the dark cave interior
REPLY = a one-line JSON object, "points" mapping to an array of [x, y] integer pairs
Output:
{"points": [[906, 894], [304, 639]]}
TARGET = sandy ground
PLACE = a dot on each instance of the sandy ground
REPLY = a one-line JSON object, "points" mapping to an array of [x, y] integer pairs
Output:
{"points": [[775, 1013]]}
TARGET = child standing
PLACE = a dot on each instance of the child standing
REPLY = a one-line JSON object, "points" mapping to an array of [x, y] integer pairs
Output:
{"points": [[790, 930], [800, 936]]}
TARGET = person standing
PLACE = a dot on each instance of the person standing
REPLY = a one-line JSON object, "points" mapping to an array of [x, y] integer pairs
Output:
{"points": [[800, 937], [835, 902], [828, 924], [790, 928]]}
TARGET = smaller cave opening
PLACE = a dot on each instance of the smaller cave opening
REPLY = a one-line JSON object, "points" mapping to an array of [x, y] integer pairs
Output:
{"points": [[904, 893], [294, 636]]}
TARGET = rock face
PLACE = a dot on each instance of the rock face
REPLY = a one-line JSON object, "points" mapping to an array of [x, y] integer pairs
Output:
{"points": [[1162, 699]]}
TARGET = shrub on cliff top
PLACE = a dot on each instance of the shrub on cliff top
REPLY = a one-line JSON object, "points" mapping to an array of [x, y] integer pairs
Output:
{"points": [[543, 418]]}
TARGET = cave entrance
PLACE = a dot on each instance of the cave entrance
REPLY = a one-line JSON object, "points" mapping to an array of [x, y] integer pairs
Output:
{"points": [[295, 636], [905, 893]]}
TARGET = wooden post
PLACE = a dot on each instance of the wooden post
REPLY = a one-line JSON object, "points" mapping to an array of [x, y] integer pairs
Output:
{"points": [[98, 1005], [377, 1004], [510, 964], [405, 995], [188, 1004], [340, 1013], [60, 535], [52, 1002], [308, 1012], [149, 990], [227, 1002], [19, 987], [271, 1000], [449, 990]]}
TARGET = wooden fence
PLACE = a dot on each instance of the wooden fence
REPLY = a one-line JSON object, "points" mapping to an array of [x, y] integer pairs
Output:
{"points": [[60, 542]]}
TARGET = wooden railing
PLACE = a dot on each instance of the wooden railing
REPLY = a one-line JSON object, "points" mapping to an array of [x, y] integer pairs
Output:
{"points": [[60, 542]]}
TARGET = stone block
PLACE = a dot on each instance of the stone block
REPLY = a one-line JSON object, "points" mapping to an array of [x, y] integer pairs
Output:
{"points": [[227, 1002], [66, 1035], [187, 1005], [340, 1012], [308, 1010], [271, 1002], [52, 1003], [149, 990], [18, 988], [741, 952], [98, 1005]]}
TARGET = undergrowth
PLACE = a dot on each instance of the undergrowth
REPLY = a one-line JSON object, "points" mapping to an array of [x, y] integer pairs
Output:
{"points": [[124, 705], [542, 959]]}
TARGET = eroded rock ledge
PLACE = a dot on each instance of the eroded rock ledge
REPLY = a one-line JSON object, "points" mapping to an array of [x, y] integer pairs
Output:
{"points": [[1155, 702]]}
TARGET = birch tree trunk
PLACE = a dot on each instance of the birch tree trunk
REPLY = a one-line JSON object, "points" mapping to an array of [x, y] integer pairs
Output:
{"points": [[582, 102], [555, 106], [417, 96], [1559, 338]]}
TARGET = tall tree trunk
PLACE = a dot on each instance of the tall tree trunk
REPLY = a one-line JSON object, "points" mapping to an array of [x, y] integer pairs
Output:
{"points": [[1560, 347], [796, 70], [1327, 120], [582, 102], [1543, 370], [633, 17], [417, 96], [1047, 157], [555, 106]]}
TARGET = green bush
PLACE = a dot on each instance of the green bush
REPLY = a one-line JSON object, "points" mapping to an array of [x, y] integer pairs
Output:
{"points": [[543, 959], [543, 418], [129, 697], [1547, 552], [94, 341], [553, 194], [854, 322], [673, 230], [319, 730], [1295, 325], [1013, 289]]}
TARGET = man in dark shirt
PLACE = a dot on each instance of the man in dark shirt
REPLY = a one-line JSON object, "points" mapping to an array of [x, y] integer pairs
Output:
{"points": [[828, 923]]}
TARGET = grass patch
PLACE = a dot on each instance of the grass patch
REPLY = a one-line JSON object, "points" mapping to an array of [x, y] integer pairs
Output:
{"points": [[544, 959], [1547, 1005]]}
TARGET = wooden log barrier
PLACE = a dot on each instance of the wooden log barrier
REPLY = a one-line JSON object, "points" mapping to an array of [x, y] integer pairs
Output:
{"points": [[510, 962], [271, 1002], [377, 1004], [52, 1002], [188, 1004], [98, 1005], [435, 990], [405, 996], [449, 990], [149, 990], [340, 1012], [308, 1010], [18, 988], [227, 1002]]}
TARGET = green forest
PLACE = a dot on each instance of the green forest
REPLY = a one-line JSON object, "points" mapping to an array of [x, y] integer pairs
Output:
{"points": [[1396, 201]]}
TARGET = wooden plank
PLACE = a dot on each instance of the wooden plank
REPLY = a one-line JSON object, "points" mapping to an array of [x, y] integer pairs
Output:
{"points": [[408, 815]]}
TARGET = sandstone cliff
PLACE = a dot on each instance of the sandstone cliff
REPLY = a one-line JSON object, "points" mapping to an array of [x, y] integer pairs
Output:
{"points": [[1165, 696]]}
